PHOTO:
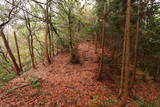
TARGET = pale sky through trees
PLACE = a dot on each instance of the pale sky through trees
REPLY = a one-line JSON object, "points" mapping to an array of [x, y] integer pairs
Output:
{"points": [[9, 28], [91, 2]]}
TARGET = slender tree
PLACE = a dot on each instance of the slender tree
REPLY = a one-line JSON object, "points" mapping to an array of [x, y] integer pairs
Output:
{"points": [[70, 32], [136, 45], [17, 68], [124, 91], [30, 38], [47, 32], [18, 52], [3, 55], [103, 40], [8, 16]]}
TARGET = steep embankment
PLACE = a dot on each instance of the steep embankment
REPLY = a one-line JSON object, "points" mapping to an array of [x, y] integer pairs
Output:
{"points": [[62, 84]]}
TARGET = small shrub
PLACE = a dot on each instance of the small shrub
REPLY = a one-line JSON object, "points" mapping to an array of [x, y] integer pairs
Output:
{"points": [[144, 77], [94, 100], [143, 103], [75, 59], [42, 101], [35, 83], [5, 77], [109, 100], [106, 102], [136, 97], [35, 70], [37, 93]]}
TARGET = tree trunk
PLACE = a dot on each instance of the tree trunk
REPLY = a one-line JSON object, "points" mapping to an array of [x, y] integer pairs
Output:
{"points": [[136, 45], [30, 39], [123, 65], [32, 52], [17, 69], [47, 34], [96, 42], [31, 49], [103, 43], [70, 33], [50, 44], [4, 56], [126, 55], [18, 53]]}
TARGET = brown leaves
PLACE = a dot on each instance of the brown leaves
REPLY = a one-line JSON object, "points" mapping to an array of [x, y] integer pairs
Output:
{"points": [[70, 85]]}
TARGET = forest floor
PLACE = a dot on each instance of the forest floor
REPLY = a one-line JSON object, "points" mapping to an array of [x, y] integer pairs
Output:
{"points": [[63, 84]]}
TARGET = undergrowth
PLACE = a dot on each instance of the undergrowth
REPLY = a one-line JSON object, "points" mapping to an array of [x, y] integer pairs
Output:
{"points": [[35, 83], [143, 103], [6, 76]]}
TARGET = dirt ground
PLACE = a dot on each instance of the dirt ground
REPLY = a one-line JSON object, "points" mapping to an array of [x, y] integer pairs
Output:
{"points": [[63, 84]]}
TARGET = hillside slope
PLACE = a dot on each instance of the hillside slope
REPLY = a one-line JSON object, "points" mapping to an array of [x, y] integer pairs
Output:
{"points": [[63, 84]]}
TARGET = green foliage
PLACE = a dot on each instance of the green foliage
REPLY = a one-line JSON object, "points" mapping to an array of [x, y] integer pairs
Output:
{"points": [[143, 103], [35, 70], [59, 20], [149, 44], [144, 76], [6, 76], [6, 73], [109, 100], [35, 83], [37, 93], [150, 41]]}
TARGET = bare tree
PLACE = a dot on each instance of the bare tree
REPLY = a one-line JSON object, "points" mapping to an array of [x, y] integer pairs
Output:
{"points": [[30, 38]]}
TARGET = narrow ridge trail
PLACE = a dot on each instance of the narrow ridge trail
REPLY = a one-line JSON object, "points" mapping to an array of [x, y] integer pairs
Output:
{"points": [[69, 85], [62, 83]]}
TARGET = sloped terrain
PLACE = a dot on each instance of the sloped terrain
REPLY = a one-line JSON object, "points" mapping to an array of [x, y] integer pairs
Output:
{"points": [[63, 84]]}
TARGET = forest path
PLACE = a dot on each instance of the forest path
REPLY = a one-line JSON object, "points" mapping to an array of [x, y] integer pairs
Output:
{"points": [[62, 83]]}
